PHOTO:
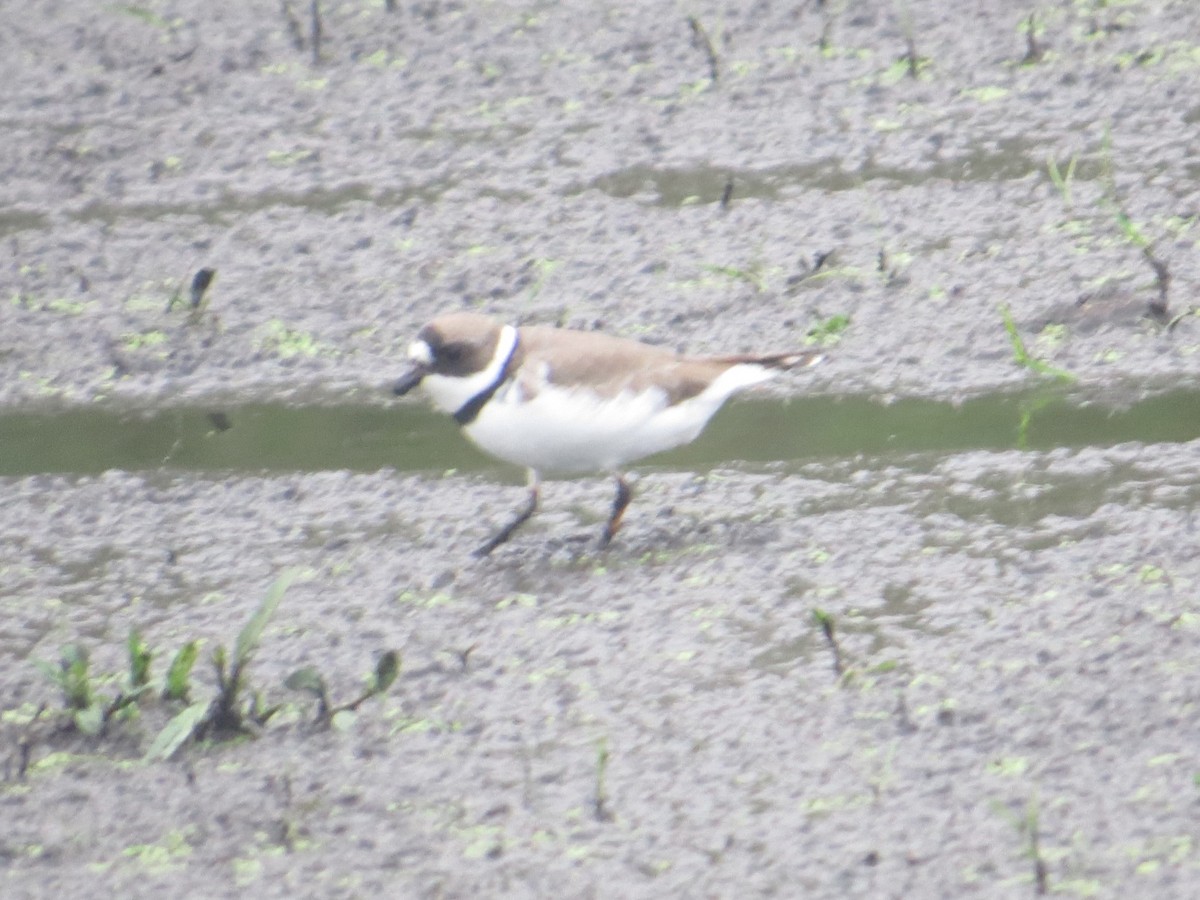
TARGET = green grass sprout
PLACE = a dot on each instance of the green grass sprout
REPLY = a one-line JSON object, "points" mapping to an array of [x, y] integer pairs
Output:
{"points": [[1022, 357], [178, 682], [309, 680]]}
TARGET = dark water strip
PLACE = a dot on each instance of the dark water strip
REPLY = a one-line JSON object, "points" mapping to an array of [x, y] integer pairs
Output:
{"points": [[410, 437]]}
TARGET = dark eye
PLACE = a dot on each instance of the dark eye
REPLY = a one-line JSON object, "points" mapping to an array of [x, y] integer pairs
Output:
{"points": [[450, 353]]}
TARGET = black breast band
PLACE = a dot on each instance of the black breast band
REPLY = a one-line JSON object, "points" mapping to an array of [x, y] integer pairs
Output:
{"points": [[469, 411]]}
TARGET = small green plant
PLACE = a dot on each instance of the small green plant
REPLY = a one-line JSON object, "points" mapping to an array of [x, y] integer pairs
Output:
{"points": [[142, 14], [543, 269], [1110, 202], [177, 686], [72, 678], [1030, 407], [1022, 357], [178, 730], [90, 712], [1061, 180], [139, 660], [229, 711], [289, 342], [310, 680], [1131, 232], [225, 712], [1027, 827], [828, 331], [228, 714], [284, 158], [752, 277]]}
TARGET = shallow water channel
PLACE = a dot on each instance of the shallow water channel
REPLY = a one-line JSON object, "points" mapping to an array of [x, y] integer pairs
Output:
{"points": [[409, 437]]}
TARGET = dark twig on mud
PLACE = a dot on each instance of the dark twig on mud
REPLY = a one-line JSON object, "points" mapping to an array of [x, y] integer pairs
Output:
{"points": [[600, 801], [25, 751], [888, 271], [1033, 50], [285, 826], [315, 17], [200, 282], [913, 68], [820, 258], [293, 24], [1040, 875], [903, 717], [727, 194], [702, 39], [297, 32], [24, 755], [915, 61], [464, 656], [1162, 279], [185, 55], [824, 41], [1190, 311], [825, 620], [25, 744]]}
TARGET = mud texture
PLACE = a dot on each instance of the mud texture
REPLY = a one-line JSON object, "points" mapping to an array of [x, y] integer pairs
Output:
{"points": [[1016, 707]]}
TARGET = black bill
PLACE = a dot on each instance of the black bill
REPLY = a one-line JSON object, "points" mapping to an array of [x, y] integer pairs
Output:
{"points": [[408, 381]]}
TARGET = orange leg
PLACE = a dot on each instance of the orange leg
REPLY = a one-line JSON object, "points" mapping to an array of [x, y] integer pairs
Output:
{"points": [[624, 495]]}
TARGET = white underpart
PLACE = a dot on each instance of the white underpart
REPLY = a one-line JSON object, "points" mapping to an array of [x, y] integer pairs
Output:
{"points": [[575, 430], [449, 394]]}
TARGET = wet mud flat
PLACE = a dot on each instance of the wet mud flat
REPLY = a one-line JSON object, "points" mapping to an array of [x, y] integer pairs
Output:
{"points": [[1006, 700], [1016, 633]]}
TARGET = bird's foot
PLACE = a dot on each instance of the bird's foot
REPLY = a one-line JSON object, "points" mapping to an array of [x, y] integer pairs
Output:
{"points": [[523, 516]]}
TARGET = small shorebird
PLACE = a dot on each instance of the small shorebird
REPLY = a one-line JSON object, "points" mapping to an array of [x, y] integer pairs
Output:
{"points": [[563, 401]]}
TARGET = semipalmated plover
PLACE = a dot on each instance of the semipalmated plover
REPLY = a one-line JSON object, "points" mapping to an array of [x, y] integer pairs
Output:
{"points": [[562, 401]]}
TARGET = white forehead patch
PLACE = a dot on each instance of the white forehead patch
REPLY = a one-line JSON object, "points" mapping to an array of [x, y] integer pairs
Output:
{"points": [[419, 352]]}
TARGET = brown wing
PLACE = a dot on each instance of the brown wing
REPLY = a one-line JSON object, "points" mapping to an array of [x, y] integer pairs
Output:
{"points": [[610, 365]]}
